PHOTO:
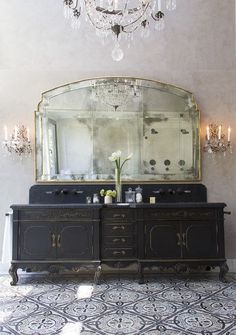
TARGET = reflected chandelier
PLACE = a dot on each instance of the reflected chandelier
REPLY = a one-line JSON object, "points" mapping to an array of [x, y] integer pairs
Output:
{"points": [[118, 18], [116, 95]]}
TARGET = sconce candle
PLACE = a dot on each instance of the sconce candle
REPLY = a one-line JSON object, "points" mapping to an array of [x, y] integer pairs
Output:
{"points": [[5, 133], [219, 132], [15, 134], [229, 133], [208, 133], [28, 134]]}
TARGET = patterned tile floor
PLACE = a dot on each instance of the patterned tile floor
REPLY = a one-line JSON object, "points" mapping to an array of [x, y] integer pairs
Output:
{"points": [[163, 306]]}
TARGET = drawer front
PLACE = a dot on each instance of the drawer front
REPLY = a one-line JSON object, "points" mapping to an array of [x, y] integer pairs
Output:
{"points": [[57, 214], [120, 253], [119, 229], [119, 241], [180, 214], [124, 214]]}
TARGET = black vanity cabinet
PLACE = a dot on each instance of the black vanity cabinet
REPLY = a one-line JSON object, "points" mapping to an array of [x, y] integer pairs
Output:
{"points": [[52, 237], [183, 237], [181, 231]]}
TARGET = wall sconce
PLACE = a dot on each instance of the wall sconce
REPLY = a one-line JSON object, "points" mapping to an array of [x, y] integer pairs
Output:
{"points": [[216, 140], [19, 141]]}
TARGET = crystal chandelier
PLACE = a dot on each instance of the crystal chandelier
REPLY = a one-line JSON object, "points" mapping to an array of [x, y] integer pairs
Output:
{"points": [[119, 19]]}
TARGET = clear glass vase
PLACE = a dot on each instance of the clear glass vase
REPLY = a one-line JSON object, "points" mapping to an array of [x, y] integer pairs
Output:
{"points": [[118, 185]]}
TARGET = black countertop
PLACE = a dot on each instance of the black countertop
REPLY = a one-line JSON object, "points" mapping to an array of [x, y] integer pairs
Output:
{"points": [[125, 205]]}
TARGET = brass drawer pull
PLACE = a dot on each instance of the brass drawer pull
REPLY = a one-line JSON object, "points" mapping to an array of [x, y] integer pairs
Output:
{"points": [[115, 240], [179, 239], [115, 253], [184, 242], [122, 216], [59, 240], [53, 240], [118, 227]]}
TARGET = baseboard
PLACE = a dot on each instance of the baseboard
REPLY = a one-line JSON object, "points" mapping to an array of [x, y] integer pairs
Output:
{"points": [[232, 265], [4, 268]]}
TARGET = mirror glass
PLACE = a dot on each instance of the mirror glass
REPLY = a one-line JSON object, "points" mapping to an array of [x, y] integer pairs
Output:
{"points": [[79, 125]]}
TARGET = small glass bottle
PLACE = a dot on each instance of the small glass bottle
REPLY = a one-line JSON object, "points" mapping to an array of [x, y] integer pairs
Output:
{"points": [[129, 195], [88, 200], [96, 198], [138, 194]]}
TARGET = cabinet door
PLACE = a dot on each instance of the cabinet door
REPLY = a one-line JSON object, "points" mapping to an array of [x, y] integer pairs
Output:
{"points": [[200, 239], [75, 240], [162, 239], [37, 240]]}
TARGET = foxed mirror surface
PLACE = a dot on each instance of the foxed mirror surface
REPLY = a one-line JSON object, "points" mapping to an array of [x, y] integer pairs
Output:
{"points": [[79, 125]]}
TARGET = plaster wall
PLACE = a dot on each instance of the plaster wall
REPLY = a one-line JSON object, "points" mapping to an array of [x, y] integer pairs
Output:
{"points": [[39, 50]]}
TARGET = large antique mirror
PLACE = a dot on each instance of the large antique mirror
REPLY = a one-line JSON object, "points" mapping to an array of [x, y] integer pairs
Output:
{"points": [[79, 125]]}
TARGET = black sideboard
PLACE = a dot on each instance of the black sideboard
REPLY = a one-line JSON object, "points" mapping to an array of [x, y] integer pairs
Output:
{"points": [[174, 234]]}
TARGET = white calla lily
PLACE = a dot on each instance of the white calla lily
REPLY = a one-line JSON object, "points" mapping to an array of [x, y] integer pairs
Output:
{"points": [[130, 156], [116, 157], [112, 158]]}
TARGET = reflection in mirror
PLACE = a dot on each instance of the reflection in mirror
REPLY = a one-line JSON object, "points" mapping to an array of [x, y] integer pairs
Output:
{"points": [[79, 125]]}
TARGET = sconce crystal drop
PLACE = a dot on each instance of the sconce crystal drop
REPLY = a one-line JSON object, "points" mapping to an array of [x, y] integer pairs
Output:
{"points": [[216, 140], [19, 142]]}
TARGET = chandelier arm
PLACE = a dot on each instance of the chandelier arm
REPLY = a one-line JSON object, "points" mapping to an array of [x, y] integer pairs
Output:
{"points": [[100, 28], [131, 31], [76, 4], [118, 12], [143, 12], [72, 6]]}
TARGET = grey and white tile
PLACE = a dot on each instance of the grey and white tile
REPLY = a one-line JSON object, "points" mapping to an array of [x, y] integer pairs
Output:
{"points": [[164, 305]]}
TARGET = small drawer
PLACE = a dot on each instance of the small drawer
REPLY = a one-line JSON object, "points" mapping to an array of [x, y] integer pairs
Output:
{"points": [[57, 214], [120, 253], [119, 229], [172, 214], [119, 241], [118, 214]]}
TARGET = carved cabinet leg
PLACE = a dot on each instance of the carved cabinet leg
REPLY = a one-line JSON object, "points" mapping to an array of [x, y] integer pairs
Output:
{"points": [[223, 270], [97, 275], [140, 273], [13, 273]]}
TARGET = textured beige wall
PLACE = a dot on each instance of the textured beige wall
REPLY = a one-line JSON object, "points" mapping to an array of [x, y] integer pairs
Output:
{"points": [[38, 51]]}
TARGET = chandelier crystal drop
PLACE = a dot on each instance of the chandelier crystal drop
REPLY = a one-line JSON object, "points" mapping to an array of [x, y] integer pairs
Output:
{"points": [[119, 20]]}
